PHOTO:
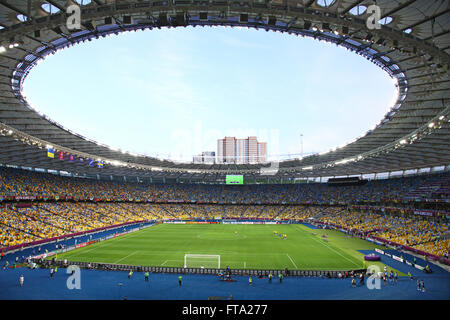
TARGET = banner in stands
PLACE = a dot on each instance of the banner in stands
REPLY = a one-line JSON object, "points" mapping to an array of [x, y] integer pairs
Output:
{"points": [[252, 222], [24, 198], [382, 252], [202, 222], [44, 255], [400, 259], [424, 213], [120, 234], [80, 245], [228, 222]]}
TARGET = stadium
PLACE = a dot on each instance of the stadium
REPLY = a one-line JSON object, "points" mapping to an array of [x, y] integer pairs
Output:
{"points": [[80, 220]]}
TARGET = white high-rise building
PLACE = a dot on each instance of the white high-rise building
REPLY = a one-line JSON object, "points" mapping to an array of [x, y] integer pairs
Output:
{"points": [[241, 151]]}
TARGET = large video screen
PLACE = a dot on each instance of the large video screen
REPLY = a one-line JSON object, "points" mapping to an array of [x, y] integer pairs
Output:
{"points": [[234, 179]]}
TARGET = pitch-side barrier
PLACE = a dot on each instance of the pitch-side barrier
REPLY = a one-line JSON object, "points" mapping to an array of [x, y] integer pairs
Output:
{"points": [[210, 271]]}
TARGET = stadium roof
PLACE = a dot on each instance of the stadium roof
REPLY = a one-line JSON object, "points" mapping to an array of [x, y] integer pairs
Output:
{"points": [[411, 44]]}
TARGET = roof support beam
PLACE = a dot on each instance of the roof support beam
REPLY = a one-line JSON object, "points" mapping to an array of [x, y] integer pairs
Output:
{"points": [[404, 5], [351, 7], [55, 4], [13, 8], [426, 19]]}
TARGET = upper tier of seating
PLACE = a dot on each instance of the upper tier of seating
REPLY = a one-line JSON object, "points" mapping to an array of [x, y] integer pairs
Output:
{"points": [[15, 182]]}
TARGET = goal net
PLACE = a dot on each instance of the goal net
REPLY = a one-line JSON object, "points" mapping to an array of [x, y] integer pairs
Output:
{"points": [[202, 261]]}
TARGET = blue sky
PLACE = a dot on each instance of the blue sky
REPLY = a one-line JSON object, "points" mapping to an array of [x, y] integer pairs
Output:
{"points": [[174, 92]]}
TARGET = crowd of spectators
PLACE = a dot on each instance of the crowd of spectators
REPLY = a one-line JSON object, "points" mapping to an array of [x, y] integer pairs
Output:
{"points": [[16, 182], [117, 204], [422, 233], [48, 220]]}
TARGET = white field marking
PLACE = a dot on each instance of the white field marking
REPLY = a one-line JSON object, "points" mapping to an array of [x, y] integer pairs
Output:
{"points": [[166, 261], [218, 252], [126, 257], [104, 244], [292, 261], [331, 249]]}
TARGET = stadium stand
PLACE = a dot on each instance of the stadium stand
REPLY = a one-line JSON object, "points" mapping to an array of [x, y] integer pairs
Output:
{"points": [[14, 182], [38, 206]]}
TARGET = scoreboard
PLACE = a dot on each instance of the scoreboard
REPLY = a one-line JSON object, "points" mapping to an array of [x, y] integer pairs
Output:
{"points": [[234, 179]]}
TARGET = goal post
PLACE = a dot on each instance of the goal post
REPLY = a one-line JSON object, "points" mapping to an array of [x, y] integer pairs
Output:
{"points": [[202, 261]]}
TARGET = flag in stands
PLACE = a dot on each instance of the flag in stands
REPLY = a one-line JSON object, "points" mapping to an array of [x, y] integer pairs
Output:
{"points": [[50, 153], [91, 162], [81, 161], [71, 158], [61, 155], [100, 164]]}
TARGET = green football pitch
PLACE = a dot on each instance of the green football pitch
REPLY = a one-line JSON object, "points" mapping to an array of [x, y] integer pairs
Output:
{"points": [[239, 247]]}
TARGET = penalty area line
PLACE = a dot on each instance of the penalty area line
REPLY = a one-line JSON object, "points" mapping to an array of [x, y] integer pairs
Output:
{"points": [[126, 257], [327, 246], [292, 261]]}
